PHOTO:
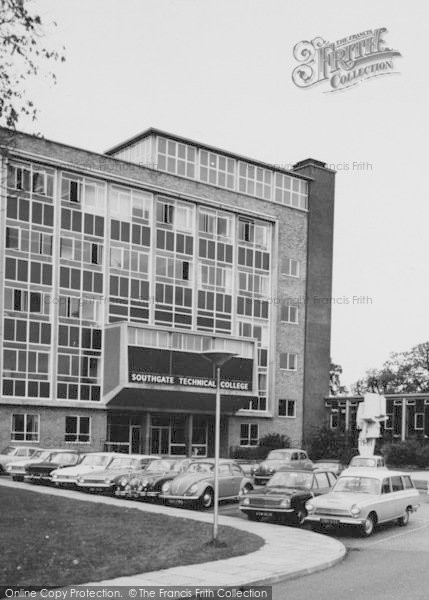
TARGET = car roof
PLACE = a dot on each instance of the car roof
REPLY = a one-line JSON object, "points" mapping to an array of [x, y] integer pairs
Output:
{"points": [[371, 472], [292, 469], [366, 457]]}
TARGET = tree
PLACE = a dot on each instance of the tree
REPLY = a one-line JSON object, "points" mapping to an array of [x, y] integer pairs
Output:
{"points": [[335, 387], [22, 52], [402, 372]]}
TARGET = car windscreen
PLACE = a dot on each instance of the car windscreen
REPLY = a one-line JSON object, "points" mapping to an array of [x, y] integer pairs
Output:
{"points": [[7, 450], [363, 462], [63, 458], [200, 467], [158, 465], [363, 485], [122, 463], [95, 460], [278, 455], [40, 455], [291, 479]]}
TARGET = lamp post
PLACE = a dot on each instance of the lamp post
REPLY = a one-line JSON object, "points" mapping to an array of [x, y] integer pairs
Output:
{"points": [[217, 358]]}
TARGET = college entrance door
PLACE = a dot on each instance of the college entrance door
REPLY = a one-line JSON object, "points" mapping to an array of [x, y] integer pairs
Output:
{"points": [[160, 440]]}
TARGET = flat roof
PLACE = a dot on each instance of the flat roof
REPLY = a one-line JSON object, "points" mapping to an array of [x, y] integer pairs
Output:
{"points": [[154, 131]]}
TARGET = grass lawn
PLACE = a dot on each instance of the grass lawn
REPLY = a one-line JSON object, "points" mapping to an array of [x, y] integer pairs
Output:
{"points": [[52, 541]]}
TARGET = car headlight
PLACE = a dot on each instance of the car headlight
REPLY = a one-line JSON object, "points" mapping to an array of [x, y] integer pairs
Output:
{"points": [[245, 502], [127, 488], [144, 483], [55, 476], [285, 503], [355, 510], [80, 479], [108, 480], [166, 487], [139, 487], [123, 482], [309, 507], [9, 468], [193, 489]]}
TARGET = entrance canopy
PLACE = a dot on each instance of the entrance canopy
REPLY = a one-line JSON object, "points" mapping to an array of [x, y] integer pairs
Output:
{"points": [[156, 399]]}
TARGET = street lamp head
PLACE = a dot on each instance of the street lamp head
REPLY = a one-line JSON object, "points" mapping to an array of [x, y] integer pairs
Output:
{"points": [[218, 357]]}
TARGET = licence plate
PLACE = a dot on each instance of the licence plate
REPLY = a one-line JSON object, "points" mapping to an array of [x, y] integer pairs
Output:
{"points": [[177, 501], [330, 521], [263, 513]]}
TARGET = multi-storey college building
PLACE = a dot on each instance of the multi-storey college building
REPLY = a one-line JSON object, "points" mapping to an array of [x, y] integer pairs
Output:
{"points": [[118, 270]]}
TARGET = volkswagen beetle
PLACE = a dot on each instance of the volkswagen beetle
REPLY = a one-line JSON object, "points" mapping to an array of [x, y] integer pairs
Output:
{"points": [[195, 487]]}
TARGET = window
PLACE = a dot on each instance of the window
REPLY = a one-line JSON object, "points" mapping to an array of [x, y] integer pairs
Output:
{"points": [[12, 237], [397, 485], [71, 220], [93, 253], [176, 158], [41, 243], [255, 181], [289, 314], [288, 361], [18, 208], [120, 230], [419, 421], [408, 484], [19, 177], [212, 276], [165, 213], [42, 213], [287, 408], [217, 169], [333, 418], [25, 427], [70, 278], [252, 283], [69, 306], [249, 434], [290, 267], [290, 191], [71, 188], [92, 282], [78, 429], [141, 205], [322, 480], [94, 196], [24, 301]]}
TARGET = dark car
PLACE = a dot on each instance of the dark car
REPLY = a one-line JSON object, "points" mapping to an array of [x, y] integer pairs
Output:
{"points": [[285, 495], [147, 484], [288, 457], [41, 472]]}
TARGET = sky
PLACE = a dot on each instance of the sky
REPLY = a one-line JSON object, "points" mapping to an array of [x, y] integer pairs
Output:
{"points": [[220, 71]]}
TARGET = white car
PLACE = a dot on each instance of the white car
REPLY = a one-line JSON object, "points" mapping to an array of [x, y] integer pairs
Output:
{"points": [[363, 462], [14, 453], [364, 498], [17, 468], [96, 461]]}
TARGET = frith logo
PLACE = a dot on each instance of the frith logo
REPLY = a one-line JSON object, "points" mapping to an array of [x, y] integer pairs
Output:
{"points": [[344, 63]]}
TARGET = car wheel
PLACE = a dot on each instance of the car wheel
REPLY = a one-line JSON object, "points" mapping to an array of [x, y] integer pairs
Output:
{"points": [[368, 526], [206, 500], [404, 520], [253, 516]]}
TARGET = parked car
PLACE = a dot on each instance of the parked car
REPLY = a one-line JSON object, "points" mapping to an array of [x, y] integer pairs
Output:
{"points": [[96, 461], [16, 469], [195, 487], [106, 479], [40, 471], [375, 461], [285, 495], [14, 453], [364, 498], [290, 457], [330, 464], [148, 483]]}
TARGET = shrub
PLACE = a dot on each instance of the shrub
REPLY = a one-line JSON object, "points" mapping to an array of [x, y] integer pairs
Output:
{"points": [[410, 452], [256, 453], [327, 443], [274, 440]]}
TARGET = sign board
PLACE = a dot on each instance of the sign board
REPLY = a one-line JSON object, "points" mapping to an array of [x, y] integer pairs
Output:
{"points": [[204, 382]]}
